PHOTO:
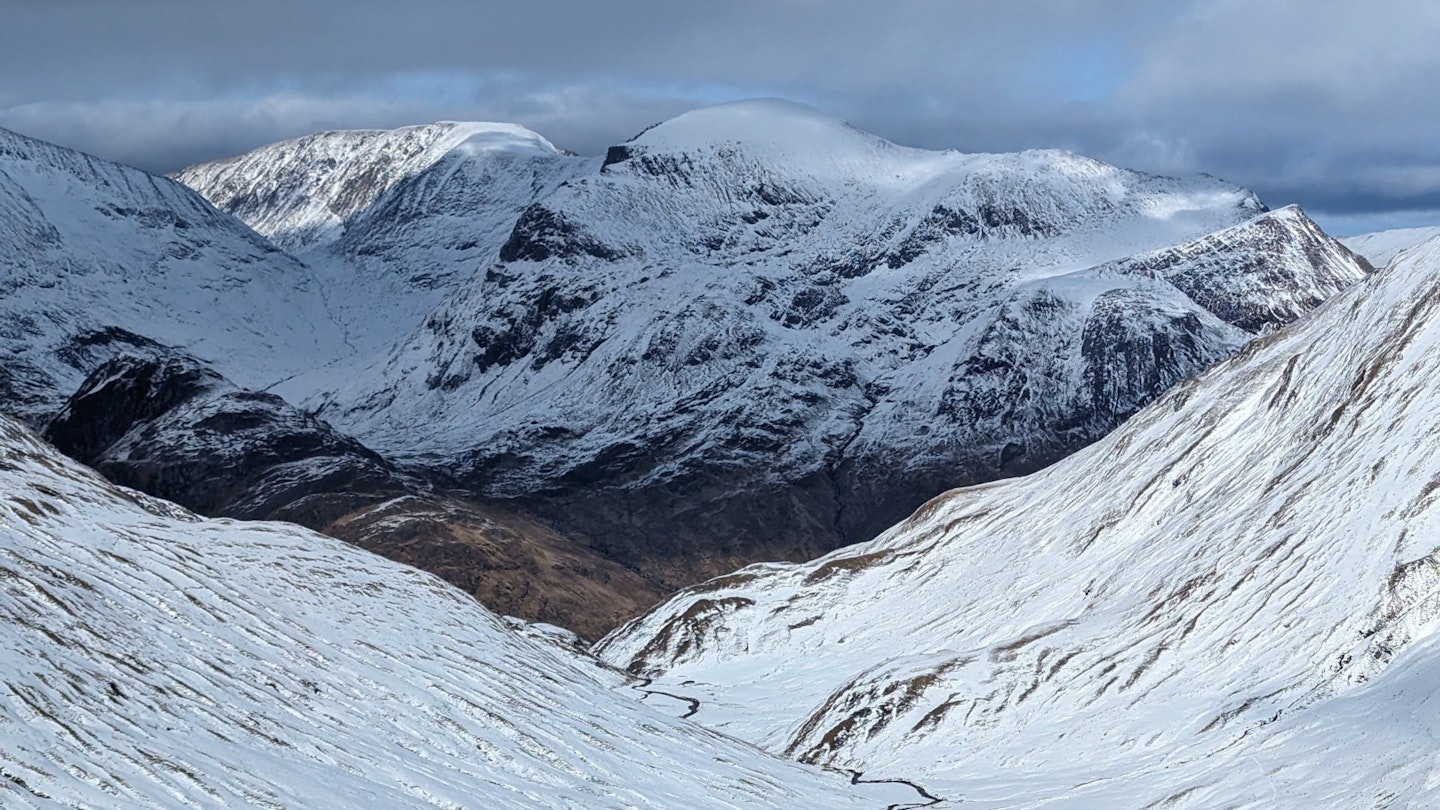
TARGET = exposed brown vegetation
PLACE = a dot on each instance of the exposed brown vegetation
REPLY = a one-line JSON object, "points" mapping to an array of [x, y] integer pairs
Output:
{"points": [[512, 564], [849, 565]]}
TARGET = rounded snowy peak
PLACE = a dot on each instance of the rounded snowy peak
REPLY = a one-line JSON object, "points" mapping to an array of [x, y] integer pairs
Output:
{"points": [[502, 136], [782, 138], [426, 142], [756, 122], [473, 136]]}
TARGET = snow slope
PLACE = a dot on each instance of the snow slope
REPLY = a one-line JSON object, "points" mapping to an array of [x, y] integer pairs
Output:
{"points": [[1382, 246], [393, 220], [307, 192], [752, 313], [96, 257], [1213, 606], [152, 658]]}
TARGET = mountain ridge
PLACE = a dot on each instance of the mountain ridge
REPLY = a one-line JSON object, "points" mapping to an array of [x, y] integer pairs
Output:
{"points": [[104, 256], [391, 221], [1227, 567], [721, 296]]}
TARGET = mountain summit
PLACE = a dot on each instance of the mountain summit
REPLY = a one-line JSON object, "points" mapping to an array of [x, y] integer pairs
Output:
{"points": [[390, 220]]}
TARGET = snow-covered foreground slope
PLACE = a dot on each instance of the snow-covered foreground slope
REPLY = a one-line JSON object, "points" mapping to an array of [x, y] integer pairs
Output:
{"points": [[755, 316], [393, 220], [1202, 609], [1382, 246], [94, 254], [149, 657]]}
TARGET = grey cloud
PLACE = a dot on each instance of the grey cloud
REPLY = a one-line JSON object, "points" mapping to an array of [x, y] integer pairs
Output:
{"points": [[836, 45], [1324, 102]]}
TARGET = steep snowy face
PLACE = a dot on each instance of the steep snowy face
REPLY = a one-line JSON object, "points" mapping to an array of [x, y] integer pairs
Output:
{"points": [[755, 315], [95, 256], [1166, 616], [1381, 247], [306, 192], [152, 658], [391, 219]]}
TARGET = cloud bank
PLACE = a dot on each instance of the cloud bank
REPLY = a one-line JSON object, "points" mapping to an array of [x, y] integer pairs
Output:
{"points": [[1323, 102]]}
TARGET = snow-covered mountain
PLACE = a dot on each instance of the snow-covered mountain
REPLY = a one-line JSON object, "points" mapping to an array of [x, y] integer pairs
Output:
{"points": [[101, 261], [152, 658], [749, 316], [96, 257], [755, 316], [393, 220], [1381, 247], [1232, 600], [174, 428]]}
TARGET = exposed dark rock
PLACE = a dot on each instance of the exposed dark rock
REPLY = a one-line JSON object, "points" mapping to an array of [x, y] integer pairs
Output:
{"points": [[542, 234], [520, 332], [122, 393], [172, 427], [615, 154]]}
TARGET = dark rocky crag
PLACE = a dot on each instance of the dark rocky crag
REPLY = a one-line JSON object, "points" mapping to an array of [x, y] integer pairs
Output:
{"points": [[169, 425]]}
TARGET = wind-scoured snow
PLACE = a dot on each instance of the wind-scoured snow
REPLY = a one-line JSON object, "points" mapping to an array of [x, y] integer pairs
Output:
{"points": [[305, 192], [1230, 601], [152, 658], [1381, 247], [754, 295], [96, 257], [392, 220]]}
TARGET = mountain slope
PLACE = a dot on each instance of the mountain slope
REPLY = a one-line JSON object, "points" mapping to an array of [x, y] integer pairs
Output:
{"points": [[755, 315], [151, 658], [1382, 246], [307, 192], [393, 220], [172, 427], [96, 257], [1162, 617]]}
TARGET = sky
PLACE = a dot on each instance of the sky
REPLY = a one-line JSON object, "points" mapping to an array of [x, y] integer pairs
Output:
{"points": [[1331, 104]]}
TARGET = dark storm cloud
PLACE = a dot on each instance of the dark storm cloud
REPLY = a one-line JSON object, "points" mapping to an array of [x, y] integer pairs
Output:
{"points": [[1318, 101]]}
